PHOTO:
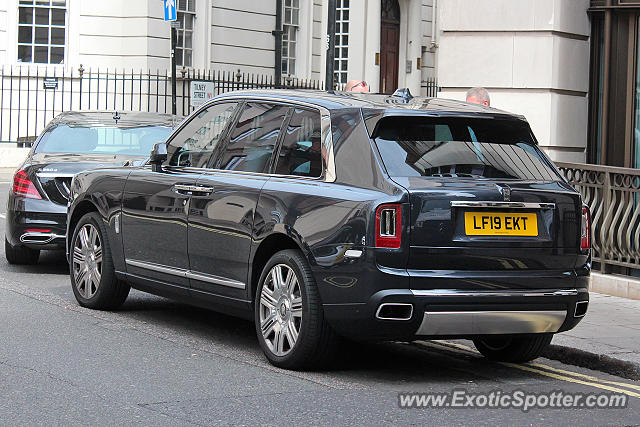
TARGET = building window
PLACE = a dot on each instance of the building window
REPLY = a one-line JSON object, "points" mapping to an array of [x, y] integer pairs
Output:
{"points": [[342, 42], [41, 31], [184, 47], [289, 33]]}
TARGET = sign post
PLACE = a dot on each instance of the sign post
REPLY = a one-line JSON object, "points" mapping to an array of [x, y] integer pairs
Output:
{"points": [[170, 15]]}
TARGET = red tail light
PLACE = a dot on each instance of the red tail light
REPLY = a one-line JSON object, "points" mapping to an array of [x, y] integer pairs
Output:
{"points": [[23, 187], [388, 226], [585, 230]]}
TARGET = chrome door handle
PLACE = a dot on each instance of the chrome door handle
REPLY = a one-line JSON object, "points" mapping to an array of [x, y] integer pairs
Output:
{"points": [[191, 189]]}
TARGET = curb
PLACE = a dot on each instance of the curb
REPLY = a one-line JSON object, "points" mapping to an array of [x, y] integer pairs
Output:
{"points": [[596, 362]]}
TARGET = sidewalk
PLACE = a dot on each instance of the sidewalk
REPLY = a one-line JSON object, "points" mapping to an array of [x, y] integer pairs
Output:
{"points": [[607, 339]]}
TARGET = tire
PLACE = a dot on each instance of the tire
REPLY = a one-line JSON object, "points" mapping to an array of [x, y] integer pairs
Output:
{"points": [[516, 348], [93, 278], [298, 307], [20, 255]]}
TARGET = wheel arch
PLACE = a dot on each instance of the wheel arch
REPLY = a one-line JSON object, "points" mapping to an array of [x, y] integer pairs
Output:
{"points": [[80, 210], [269, 246]]}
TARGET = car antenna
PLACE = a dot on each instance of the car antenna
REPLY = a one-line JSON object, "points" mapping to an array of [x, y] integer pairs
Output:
{"points": [[116, 117]]}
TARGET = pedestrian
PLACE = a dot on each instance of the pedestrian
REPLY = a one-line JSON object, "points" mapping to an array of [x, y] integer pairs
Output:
{"points": [[478, 95], [357, 86]]}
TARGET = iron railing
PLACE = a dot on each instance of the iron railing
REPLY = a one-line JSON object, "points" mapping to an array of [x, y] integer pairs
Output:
{"points": [[31, 96], [613, 197]]}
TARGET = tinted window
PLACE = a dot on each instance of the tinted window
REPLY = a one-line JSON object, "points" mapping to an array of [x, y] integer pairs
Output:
{"points": [[135, 141], [461, 147], [254, 137], [193, 145], [300, 151]]}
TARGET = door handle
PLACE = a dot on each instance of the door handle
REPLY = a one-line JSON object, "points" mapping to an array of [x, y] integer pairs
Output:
{"points": [[192, 189]]}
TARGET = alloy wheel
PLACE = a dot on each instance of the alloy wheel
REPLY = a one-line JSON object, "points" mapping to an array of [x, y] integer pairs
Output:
{"points": [[87, 260], [280, 309]]}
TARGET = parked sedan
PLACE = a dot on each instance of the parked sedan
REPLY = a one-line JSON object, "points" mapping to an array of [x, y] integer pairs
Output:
{"points": [[72, 142], [322, 216]]}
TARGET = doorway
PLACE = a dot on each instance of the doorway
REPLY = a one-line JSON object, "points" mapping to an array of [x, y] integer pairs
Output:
{"points": [[389, 45]]}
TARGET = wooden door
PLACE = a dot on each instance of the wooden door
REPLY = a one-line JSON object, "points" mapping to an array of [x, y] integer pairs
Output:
{"points": [[389, 46]]}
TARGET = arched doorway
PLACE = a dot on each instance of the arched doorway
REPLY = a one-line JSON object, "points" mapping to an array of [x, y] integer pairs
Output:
{"points": [[389, 45]]}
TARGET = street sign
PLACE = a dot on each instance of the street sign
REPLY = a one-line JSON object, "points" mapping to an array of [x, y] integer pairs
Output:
{"points": [[170, 10], [201, 92]]}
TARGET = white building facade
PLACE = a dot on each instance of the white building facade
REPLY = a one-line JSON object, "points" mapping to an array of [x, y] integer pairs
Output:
{"points": [[225, 35]]}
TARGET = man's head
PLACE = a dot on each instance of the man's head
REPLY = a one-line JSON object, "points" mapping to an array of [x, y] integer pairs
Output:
{"points": [[478, 95], [356, 86]]}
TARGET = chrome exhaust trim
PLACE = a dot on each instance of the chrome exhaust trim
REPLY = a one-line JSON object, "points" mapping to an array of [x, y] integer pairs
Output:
{"points": [[436, 323], [39, 238], [381, 316], [580, 306]]}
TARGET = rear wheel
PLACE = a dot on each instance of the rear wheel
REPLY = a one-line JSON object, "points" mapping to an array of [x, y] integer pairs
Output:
{"points": [[289, 318], [516, 348], [20, 255], [93, 276]]}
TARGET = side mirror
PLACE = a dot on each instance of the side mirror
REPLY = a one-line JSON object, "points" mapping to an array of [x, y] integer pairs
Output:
{"points": [[158, 156]]}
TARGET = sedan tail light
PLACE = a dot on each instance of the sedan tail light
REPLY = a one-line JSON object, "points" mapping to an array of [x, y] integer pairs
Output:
{"points": [[389, 226], [585, 230], [23, 187]]}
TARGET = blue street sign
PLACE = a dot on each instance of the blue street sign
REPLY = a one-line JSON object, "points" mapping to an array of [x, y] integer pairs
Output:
{"points": [[170, 10]]}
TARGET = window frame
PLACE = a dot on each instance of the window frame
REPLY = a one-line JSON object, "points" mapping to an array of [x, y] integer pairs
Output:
{"points": [[214, 163], [290, 114], [289, 28], [49, 26], [183, 30], [328, 162], [223, 136]]}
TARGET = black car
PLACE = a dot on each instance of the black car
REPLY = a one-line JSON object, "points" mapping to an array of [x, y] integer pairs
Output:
{"points": [[322, 216], [71, 142]]}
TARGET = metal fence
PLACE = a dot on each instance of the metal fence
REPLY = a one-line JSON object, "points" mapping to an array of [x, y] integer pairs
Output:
{"points": [[613, 196], [31, 96]]}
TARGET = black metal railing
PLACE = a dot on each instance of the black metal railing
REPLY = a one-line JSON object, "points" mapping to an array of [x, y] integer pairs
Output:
{"points": [[613, 197], [31, 96]]}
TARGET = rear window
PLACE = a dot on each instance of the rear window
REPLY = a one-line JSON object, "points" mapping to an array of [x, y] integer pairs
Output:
{"points": [[134, 141], [460, 147]]}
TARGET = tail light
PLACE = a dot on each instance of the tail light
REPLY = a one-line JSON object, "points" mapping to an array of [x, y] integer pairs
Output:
{"points": [[585, 230], [22, 186], [388, 226]]}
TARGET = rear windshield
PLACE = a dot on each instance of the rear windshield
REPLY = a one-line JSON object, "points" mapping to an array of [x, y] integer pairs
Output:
{"points": [[134, 141], [461, 147]]}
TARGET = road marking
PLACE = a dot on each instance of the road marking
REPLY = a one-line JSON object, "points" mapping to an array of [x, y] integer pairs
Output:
{"points": [[3, 216], [533, 367]]}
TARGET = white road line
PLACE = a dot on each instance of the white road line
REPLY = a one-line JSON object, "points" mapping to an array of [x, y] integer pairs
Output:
{"points": [[3, 216]]}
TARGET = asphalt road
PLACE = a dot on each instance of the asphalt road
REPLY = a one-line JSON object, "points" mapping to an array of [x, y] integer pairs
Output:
{"points": [[156, 362]]}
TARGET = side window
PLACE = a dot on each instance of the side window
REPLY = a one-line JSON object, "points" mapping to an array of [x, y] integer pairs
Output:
{"points": [[195, 143], [300, 153], [254, 138]]}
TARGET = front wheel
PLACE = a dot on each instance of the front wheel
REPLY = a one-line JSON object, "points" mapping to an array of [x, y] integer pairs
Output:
{"points": [[93, 278], [512, 348], [289, 319]]}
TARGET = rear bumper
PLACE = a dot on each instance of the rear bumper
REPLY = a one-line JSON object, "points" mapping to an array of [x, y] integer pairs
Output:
{"points": [[460, 313], [37, 224]]}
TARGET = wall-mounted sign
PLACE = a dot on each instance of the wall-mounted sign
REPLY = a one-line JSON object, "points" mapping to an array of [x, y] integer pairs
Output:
{"points": [[50, 83], [201, 92]]}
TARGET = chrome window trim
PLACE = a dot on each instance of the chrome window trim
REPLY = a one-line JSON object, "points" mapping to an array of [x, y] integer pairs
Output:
{"points": [[329, 172], [187, 274], [457, 293], [506, 205]]}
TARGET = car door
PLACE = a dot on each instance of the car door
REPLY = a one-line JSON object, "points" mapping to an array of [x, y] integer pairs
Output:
{"points": [[221, 224], [155, 204]]}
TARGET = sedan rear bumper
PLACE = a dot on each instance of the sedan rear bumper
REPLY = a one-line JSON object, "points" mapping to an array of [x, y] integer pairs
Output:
{"points": [[35, 223]]}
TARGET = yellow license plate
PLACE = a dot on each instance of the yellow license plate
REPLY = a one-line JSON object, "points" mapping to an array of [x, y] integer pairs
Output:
{"points": [[500, 224]]}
